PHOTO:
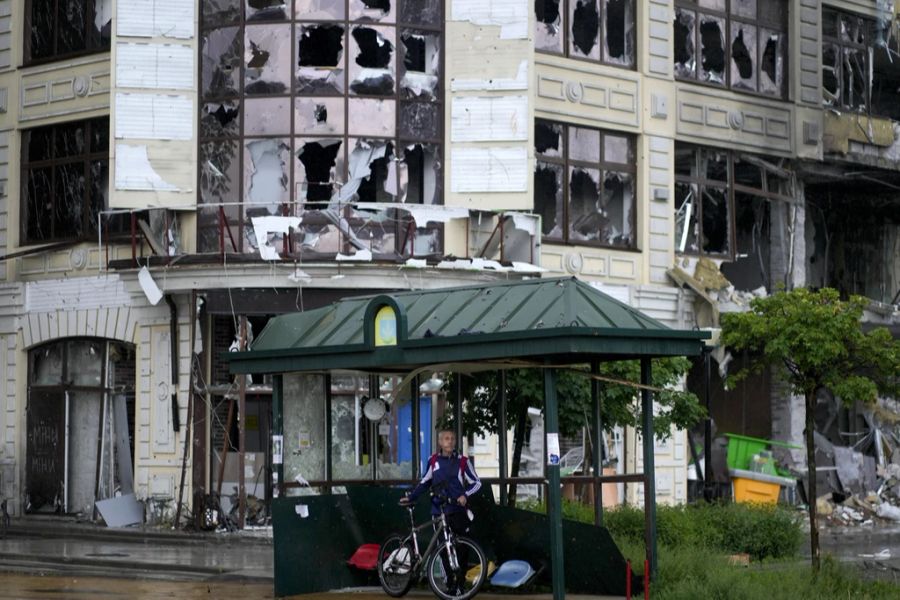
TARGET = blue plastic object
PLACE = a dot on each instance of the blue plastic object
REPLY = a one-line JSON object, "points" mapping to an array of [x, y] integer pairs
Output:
{"points": [[512, 574]]}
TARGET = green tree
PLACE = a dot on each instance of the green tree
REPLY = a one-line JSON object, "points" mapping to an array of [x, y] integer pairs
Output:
{"points": [[620, 405], [816, 341]]}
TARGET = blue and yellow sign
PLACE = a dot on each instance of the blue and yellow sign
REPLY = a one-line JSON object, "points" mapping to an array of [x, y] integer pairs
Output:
{"points": [[386, 327]]}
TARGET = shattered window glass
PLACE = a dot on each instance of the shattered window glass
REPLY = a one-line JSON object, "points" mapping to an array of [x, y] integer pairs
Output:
{"points": [[742, 46], [67, 27], [221, 62], [686, 223], [716, 222], [857, 63], [597, 30], [321, 59], [584, 185], [326, 102], [372, 66], [65, 180], [267, 59], [548, 26]]}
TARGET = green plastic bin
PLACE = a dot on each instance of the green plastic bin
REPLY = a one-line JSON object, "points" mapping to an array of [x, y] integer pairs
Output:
{"points": [[741, 449]]}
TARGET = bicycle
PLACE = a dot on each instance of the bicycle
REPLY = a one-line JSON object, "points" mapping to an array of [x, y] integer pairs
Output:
{"points": [[400, 563]]}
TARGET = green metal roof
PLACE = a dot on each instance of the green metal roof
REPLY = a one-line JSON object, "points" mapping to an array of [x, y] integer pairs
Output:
{"points": [[533, 321]]}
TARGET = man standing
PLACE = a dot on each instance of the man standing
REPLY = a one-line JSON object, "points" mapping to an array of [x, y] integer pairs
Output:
{"points": [[455, 475]]}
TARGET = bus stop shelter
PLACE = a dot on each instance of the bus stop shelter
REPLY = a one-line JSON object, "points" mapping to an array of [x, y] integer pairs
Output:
{"points": [[550, 324]]}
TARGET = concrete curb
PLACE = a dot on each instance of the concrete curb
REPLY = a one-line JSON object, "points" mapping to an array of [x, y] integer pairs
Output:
{"points": [[46, 529]]}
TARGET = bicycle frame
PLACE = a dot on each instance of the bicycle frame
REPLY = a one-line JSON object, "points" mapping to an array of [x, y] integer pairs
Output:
{"points": [[441, 530]]}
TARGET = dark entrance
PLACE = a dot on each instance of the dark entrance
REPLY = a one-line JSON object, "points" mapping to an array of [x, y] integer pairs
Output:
{"points": [[45, 451]]}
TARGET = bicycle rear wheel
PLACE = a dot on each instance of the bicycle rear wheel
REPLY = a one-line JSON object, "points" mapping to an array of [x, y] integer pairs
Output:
{"points": [[464, 583], [396, 559]]}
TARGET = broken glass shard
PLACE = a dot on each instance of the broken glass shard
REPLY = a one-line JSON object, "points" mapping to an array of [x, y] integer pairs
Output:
{"points": [[267, 59], [320, 59], [771, 65], [686, 234], [69, 201], [39, 204], [716, 221], [619, 46], [584, 19], [372, 117], [319, 115], [855, 77], [616, 210], [584, 144], [42, 44], [548, 198], [374, 186], [267, 116], [421, 12], [420, 121], [219, 12], [420, 174], [585, 216], [220, 119], [372, 10], [373, 68], [831, 74], [266, 10], [70, 139], [101, 33], [318, 10], [714, 164], [421, 64], [618, 149], [219, 172], [712, 49], [319, 164], [266, 176], [548, 26], [684, 34], [221, 62], [98, 196], [743, 56], [548, 138]]}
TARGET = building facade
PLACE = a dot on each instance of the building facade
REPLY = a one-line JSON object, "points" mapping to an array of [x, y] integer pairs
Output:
{"points": [[170, 166]]}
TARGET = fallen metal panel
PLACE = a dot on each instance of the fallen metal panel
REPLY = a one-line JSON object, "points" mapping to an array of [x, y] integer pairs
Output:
{"points": [[122, 511]]}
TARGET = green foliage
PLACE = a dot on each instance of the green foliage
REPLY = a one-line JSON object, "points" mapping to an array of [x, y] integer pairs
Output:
{"points": [[621, 405], [817, 337]]}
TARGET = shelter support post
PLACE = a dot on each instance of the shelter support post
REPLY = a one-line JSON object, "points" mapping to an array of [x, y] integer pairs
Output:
{"points": [[554, 497], [278, 434], [458, 414], [708, 491], [504, 458], [649, 469], [596, 445], [414, 428], [329, 467], [242, 436]]}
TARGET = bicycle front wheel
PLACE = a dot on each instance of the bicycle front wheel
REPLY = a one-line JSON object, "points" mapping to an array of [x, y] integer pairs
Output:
{"points": [[463, 583], [396, 559]]}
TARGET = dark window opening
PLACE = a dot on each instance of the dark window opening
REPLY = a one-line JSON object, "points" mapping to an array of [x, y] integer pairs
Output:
{"points": [[62, 28], [596, 30]]}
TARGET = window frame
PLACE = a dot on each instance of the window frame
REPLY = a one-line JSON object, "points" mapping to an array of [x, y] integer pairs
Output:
{"points": [[601, 37], [732, 189], [86, 158], [728, 16], [91, 47], [869, 26], [603, 166], [294, 205]]}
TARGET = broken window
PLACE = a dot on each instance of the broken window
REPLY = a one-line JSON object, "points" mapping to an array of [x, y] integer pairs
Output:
{"points": [[420, 64], [584, 185], [741, 45], [60, 28], [267, 10], [320, 163], [382, 11], [267, 56], [598, 30], [419, 174], [267, 116], [712, 185], [320, 59], [65, 180], [219, 163], [372, 66], [221, 60], [266, 176]]}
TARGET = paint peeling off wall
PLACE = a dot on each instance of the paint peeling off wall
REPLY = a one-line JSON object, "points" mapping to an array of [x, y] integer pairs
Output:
{"points": [[519, 82], [477, 119], [155, 18], [510, 15], [160, 66], [134, 171], [154, 117], [489, 170]]}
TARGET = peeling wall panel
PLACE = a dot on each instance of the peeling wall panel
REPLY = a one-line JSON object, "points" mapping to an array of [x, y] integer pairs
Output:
{"points": [[479, 119], [518, 82], [510, 15], [160, 66], [145, 116], [155, 18], [489, 170], [134, 171]]}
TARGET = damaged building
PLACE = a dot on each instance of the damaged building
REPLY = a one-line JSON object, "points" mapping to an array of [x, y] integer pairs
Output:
{"points": [[172, 178]]}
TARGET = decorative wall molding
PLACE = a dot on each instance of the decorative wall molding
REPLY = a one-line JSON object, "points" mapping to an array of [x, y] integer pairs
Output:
{"points": [[109, 323], [582, 92]]}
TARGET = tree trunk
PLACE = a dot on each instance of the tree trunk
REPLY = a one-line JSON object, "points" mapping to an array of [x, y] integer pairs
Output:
{"points": [[518, 443], [811, 478]]}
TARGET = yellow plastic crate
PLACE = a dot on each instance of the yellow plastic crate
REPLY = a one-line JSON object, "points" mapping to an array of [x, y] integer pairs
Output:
{"points": [[751, 490]]}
